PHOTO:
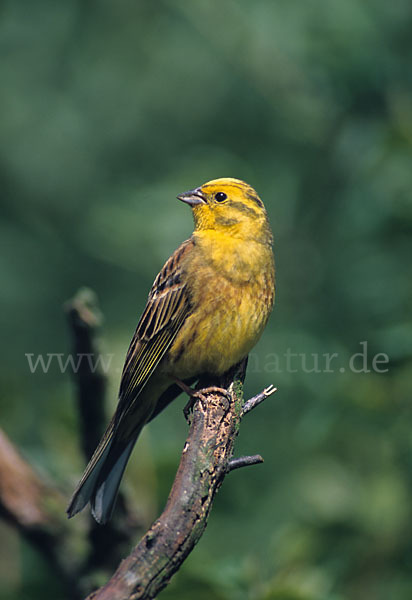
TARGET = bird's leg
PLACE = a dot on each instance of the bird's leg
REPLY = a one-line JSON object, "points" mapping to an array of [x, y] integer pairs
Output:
{"points": [[193, 396], [184, 387], [198, 395]]}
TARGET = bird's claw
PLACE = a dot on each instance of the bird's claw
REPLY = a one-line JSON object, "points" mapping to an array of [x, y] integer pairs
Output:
{"points": [[215, 390], [189, 407], [200, 395]]}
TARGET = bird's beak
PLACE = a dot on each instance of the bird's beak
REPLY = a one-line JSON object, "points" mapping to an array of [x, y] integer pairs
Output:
{"points": [[193, 197]]}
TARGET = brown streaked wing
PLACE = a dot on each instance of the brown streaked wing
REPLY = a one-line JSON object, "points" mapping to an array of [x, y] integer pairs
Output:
{"points": [[167, 308]]}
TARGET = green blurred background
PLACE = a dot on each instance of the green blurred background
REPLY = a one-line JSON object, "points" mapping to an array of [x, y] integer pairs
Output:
{"points": [[107, 111]]}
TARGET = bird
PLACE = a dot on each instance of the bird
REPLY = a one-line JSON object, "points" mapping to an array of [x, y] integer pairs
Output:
{"points": [[206, 310]]}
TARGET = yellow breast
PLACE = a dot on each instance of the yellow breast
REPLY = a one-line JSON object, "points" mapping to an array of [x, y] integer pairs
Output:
{"points": [[231, 283]]}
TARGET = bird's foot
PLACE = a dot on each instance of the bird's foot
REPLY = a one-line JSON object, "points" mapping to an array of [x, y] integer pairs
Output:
{"points": [[213, 389], [200, 395], [193, 396], [184, 387], [188, 409]]}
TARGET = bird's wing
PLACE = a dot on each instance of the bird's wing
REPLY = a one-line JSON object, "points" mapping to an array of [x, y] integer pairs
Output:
{"points": [[167, 308]]}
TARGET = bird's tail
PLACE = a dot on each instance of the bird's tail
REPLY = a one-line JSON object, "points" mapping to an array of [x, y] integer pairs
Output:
{"points": [[101, 479]]}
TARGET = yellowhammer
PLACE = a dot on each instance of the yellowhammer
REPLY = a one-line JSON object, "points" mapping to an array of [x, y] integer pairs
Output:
{"points": [[206, 310]]}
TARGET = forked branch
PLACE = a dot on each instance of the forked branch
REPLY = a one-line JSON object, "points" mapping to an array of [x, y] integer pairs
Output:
{"points": [[205, 461]]}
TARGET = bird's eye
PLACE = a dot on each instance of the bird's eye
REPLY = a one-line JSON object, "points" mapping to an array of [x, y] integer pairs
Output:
{"points": [[220, 197]]}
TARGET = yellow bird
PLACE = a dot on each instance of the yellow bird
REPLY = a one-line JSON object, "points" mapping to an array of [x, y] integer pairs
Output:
{"points": [[206, 310]]}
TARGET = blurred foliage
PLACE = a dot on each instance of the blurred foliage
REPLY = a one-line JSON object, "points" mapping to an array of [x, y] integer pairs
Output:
{"points": [[107, 111]]}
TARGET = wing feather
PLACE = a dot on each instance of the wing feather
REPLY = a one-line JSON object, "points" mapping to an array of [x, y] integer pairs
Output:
{"points": [[167, 308]]}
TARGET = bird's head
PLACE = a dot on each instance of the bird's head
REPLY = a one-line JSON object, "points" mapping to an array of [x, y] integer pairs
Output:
{"points": [[231, 206]]}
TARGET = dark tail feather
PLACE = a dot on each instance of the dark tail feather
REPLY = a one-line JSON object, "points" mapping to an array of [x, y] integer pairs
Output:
{"points": [[105, 491], [101, 480]]}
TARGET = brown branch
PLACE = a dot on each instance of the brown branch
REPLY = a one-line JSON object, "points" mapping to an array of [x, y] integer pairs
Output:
{"points": [[107, 544], [244, 461], [35, 509], [256, 400], [85, 321], [204, 463], [23, 496]]}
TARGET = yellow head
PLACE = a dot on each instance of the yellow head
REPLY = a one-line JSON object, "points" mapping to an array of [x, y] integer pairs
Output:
{"points": [[230, 206]]}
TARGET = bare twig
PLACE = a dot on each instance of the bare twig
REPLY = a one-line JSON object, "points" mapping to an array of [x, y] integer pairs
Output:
{"points": [[256, 400], [244, 461]]}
